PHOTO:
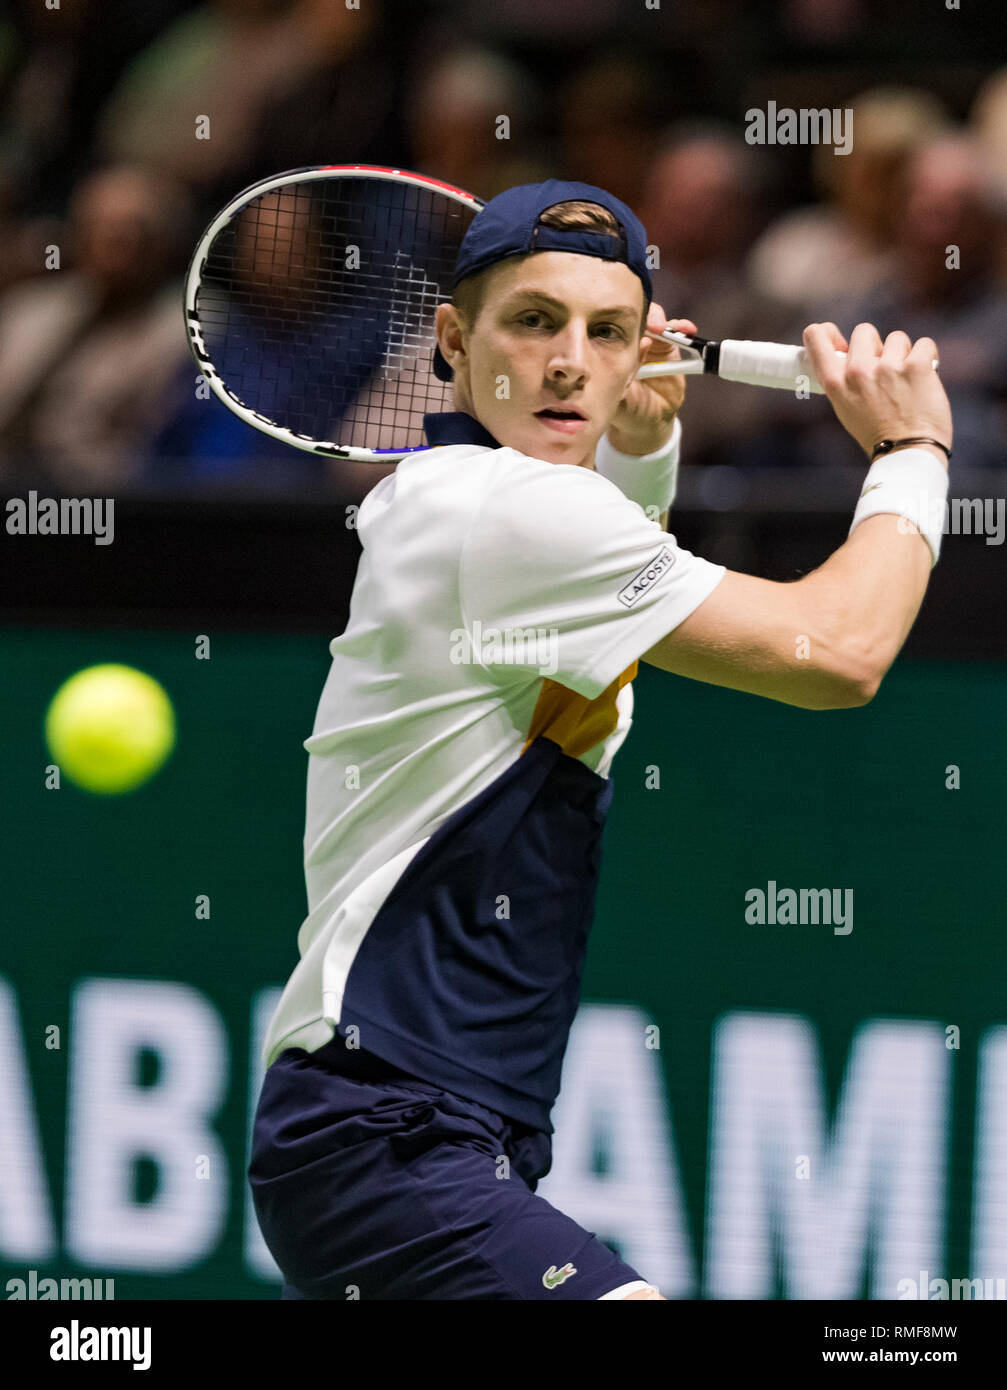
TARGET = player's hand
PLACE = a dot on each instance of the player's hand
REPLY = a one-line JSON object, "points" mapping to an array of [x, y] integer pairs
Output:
{"points": [[646, 414], [880, 390]]}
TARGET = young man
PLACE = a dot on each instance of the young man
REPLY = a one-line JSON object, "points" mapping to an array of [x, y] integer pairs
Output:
{"points": [[511, 580]]}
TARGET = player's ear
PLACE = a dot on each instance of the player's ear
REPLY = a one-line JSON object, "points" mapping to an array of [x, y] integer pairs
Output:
{"points": [[451, 332]]}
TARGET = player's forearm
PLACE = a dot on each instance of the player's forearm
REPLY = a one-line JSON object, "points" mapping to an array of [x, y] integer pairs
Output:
{"points": [[864, 600]]}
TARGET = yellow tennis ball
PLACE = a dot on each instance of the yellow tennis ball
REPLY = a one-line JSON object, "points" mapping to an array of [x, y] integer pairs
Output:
{"points": [[109, 728]]}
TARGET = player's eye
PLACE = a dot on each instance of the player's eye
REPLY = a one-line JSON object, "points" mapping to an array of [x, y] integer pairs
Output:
{"points": [[609, 331], [532, 318]]}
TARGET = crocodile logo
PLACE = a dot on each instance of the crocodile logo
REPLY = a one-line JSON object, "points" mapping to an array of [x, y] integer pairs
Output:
{"points": [[553, 1277]]}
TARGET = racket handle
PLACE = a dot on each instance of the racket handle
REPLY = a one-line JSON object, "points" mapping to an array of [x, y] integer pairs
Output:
{"points": [[771, 364], [734, 359], [768, 364], [780, 365]]}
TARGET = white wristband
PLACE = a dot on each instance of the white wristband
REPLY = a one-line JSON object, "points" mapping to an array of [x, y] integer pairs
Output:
{"points": [[650, 480], [910, 483]]}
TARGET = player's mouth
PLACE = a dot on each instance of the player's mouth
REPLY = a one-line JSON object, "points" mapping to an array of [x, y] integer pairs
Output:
{"points": [[562, 419]]}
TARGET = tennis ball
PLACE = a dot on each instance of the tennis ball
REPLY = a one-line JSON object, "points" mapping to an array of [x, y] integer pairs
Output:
{"points": [[110, 728]]}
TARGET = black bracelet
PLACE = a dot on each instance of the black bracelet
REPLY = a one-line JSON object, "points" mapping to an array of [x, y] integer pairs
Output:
{"points": [[887, 445]]}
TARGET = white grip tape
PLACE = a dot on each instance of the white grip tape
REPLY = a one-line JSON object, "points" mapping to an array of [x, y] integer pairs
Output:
{"points": [[767, 364]]}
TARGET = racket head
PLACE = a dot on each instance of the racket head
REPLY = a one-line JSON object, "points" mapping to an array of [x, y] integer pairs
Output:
{"points": [[310, 303]]}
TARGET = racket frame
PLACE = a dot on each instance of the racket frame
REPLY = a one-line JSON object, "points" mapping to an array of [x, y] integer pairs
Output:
{"points": [[194, 276]]}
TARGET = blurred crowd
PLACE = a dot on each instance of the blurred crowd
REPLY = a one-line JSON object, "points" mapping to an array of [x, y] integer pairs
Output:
{"points": [[104, 188]]}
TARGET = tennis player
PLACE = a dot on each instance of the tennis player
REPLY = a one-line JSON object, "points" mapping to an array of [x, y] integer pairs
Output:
{"points": [[511, 580]]}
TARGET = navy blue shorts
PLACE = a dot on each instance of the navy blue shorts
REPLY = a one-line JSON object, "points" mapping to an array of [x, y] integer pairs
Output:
{"points": [[379, 1186]]}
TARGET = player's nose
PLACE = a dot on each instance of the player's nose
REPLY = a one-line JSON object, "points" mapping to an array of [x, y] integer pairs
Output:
{"points": [[568, 361]]}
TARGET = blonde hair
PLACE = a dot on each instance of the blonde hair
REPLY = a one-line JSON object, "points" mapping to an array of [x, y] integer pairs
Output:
{"points": [[584, 216]]}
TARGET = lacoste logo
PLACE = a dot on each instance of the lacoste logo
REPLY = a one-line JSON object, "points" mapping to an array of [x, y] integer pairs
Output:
{"points": [[869, 489], [647, 577], [553, 1277]]}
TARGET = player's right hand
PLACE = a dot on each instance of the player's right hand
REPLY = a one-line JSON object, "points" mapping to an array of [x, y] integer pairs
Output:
{"points": [[880, 390]]}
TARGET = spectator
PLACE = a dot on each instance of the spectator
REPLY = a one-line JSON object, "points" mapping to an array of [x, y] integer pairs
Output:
{"points": [[701, 207], [812, 254], [453, 112], [86, 352], [610, 113], [224, 61], [346, 107], [989, 122], [948, 211]]}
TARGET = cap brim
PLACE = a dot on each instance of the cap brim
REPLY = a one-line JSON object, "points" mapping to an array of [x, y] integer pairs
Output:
{"points": [[441, 369]]}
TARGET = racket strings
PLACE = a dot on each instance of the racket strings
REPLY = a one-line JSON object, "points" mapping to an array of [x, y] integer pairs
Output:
{"points": [[317, 304]]}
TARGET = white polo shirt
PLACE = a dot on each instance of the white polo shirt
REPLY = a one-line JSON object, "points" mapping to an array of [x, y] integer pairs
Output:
{"points": [[459, 771]]}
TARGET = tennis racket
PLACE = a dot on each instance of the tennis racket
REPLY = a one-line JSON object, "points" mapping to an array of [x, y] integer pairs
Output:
{"points": [[310, 304]]}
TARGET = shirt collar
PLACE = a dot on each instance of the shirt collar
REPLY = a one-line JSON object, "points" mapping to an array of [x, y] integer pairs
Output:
{"points": [[455, 427]]}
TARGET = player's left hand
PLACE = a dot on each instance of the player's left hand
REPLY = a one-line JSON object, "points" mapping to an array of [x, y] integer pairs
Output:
{"points": [[646, 414]]}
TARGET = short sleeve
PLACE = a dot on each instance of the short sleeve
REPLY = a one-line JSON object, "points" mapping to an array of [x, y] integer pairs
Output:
{"points": [[562, 575]]}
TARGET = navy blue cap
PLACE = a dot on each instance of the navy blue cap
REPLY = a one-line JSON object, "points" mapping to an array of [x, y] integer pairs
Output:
{"points": [[509, 226]]}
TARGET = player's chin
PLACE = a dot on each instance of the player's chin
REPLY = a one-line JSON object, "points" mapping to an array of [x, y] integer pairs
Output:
{"points": [[567, 441], [575, 450]]}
